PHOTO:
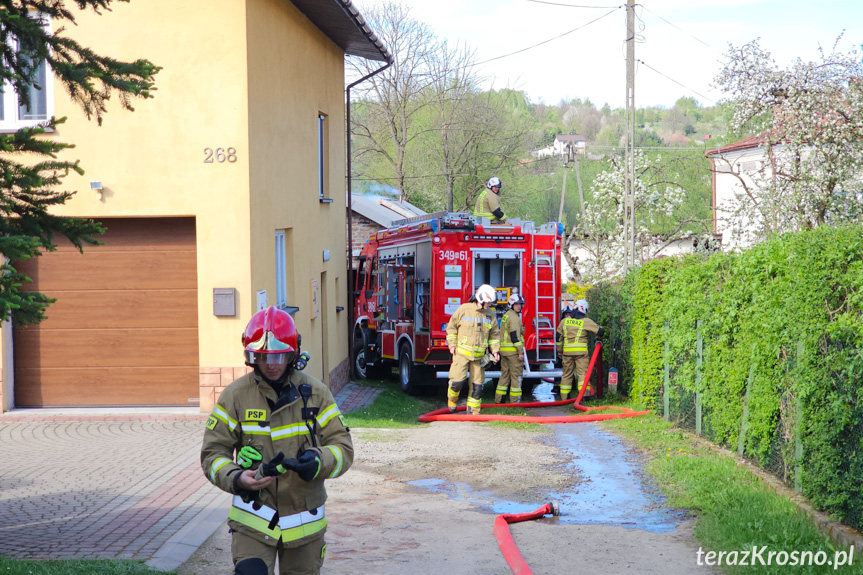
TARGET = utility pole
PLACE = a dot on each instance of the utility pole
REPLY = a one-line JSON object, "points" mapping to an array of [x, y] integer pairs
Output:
{"points": [[629, 150], [562, 193]]}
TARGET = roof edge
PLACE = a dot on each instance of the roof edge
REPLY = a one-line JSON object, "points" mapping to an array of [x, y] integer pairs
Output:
{"points": [[360, 22]]}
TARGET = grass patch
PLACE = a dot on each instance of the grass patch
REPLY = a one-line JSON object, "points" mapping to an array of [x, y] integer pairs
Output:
{"points": [[392, 408], [736, 510], [10, 566]]}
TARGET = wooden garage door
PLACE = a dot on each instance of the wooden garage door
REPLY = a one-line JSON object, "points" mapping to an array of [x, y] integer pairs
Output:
{"points": [[124, 328]]}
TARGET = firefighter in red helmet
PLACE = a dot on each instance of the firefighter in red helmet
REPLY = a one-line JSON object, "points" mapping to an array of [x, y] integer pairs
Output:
{"points": [[272, 439]]}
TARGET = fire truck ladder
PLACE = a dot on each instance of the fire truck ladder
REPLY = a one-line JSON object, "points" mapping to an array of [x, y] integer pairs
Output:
{"points": [[545, 308]]}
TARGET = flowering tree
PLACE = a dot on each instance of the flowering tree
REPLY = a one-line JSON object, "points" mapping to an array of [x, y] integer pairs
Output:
{"points": [[660, 218], [810, 121]]}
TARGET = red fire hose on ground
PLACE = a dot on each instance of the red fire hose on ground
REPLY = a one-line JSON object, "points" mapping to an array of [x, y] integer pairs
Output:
{"points": [[504, 538], [501, 523], [445, 415]]}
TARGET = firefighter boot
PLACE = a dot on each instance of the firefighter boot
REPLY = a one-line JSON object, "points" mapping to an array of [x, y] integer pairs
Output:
{"points": [[474, 399], [452, 395], [500, 391]]}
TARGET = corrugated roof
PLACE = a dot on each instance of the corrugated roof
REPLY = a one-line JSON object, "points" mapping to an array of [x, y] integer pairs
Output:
{"points": [[383, 211], [570, 138], [744, 144], [343, 24]]}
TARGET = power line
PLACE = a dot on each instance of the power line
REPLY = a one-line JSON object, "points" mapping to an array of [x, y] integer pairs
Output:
{"points": [[646, 65], [546, 41], [678, 27], [569, 5]]}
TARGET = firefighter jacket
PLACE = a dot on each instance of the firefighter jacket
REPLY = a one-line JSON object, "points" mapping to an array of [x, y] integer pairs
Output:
{"points": [[488, 206], [511, 334], [472, 330], [291, 509], [572, 335]]}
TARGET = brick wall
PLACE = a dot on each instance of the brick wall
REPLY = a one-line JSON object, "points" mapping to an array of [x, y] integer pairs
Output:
{"points": [[363, 228], [339, 376], [213, 380]]}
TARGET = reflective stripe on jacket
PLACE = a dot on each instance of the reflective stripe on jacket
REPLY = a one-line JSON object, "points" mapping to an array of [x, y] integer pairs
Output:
{"points": [[288, 528], [472, 330], [572, 332], [486, 204], [511, 322], [243, 416]]}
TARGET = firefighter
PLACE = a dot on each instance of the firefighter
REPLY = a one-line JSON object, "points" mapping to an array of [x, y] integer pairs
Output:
{"points": [[471, 330], [488, 205], [572, 345], [275, 410], [511, 352]]}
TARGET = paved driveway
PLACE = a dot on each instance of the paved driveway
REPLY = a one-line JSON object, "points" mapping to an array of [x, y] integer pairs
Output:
{"points": [[111, 483]]}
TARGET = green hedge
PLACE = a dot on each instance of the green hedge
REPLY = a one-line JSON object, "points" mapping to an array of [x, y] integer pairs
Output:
{"points": [[758, 310]]}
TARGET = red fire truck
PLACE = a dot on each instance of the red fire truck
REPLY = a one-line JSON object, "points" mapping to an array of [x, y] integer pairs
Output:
{"points": [[412, 277]]}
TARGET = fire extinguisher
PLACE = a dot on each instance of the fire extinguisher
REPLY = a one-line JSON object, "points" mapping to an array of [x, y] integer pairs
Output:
{"points": [[612, 372]]}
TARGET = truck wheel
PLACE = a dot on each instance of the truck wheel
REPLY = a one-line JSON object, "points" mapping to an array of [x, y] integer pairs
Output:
{"points": [[407, 370], [360, 369]]}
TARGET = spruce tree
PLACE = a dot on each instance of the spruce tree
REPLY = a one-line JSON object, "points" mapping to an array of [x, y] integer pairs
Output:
{"points": [[30, 173]]}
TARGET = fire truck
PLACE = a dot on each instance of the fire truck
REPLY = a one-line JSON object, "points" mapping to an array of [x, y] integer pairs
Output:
{"points": [[412, 277]]}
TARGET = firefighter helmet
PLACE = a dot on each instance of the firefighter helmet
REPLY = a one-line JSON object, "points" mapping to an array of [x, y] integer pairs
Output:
{"points": [[485, 294], [271, 337], [581, 305], [494, 182], [515, 298]]}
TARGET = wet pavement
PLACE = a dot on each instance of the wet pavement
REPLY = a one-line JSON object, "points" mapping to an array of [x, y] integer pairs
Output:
{"points": [[611, 488]]}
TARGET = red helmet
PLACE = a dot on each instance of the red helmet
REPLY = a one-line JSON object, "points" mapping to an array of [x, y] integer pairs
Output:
{"points": [[271, 333]]}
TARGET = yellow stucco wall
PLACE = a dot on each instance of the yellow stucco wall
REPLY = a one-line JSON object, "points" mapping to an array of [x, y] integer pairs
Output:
{"points": [[294, 73], [151, 161]]}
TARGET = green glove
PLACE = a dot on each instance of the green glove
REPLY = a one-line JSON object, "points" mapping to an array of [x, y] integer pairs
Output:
{"points": [[248, 456]]}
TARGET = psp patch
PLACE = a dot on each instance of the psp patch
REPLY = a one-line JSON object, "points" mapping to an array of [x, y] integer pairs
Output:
{"points": [[211, 422], [256, 415]]}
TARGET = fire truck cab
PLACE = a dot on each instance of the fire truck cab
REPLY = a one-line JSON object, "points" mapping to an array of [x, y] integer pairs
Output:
{"points": [[412, 277]]}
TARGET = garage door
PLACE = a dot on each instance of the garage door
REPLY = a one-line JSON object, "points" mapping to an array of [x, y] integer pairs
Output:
{"points": [[124, 328]]}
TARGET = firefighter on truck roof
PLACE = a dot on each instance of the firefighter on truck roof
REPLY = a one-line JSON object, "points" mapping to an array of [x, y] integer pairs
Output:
{"points": [[288, 436], [471, 330], [488, 204], [511, 352]]}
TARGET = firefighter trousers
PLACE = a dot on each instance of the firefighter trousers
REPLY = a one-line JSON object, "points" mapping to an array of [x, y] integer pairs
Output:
{"points": [[573, 365], [463, 369], [511, 370], [307, 559]]}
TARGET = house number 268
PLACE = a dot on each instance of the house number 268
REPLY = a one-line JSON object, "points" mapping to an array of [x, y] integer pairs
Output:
{"points": [[220, 155]]}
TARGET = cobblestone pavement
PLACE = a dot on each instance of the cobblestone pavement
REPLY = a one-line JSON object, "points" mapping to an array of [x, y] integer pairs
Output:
{"points": [[109, 486]]}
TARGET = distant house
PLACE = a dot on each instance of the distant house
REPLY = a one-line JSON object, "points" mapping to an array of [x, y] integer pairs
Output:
{"points": [[374, 213], [567, 145], [545, 152], [734, 167]]}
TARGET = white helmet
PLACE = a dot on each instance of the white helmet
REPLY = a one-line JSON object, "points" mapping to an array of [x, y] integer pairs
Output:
{"points": [[581, 305], [494, 182], [515, 298], [485, 294]]}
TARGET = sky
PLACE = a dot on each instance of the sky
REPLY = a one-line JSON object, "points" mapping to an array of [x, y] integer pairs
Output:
{"points": [[681, 43]]}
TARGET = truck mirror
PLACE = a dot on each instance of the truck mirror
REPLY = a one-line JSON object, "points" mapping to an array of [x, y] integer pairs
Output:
{"points": [[369, 293]]}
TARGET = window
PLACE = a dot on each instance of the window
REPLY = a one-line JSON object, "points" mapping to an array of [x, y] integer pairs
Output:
{"points": [[323, 153], [281, 275], [14, 114]]}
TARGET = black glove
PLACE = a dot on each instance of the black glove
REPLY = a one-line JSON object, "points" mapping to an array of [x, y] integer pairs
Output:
{"points": [[307, 464], [273, 467], [600, 333]]}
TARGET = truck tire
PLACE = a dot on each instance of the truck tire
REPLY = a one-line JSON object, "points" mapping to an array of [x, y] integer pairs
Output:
{"points": [[360, 369], [408, 372]]}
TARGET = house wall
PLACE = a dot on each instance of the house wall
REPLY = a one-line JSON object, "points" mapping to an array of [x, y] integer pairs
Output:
{"points": [[284, 103], [151, 161], [729, 169], [363, 229]]}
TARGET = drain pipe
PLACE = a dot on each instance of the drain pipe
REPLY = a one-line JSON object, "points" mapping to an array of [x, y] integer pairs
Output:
{"points": [[351, 304]]}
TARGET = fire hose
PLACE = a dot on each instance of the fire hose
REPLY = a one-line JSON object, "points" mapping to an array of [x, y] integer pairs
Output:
{"points": [[445, 415], [501, 523]]}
